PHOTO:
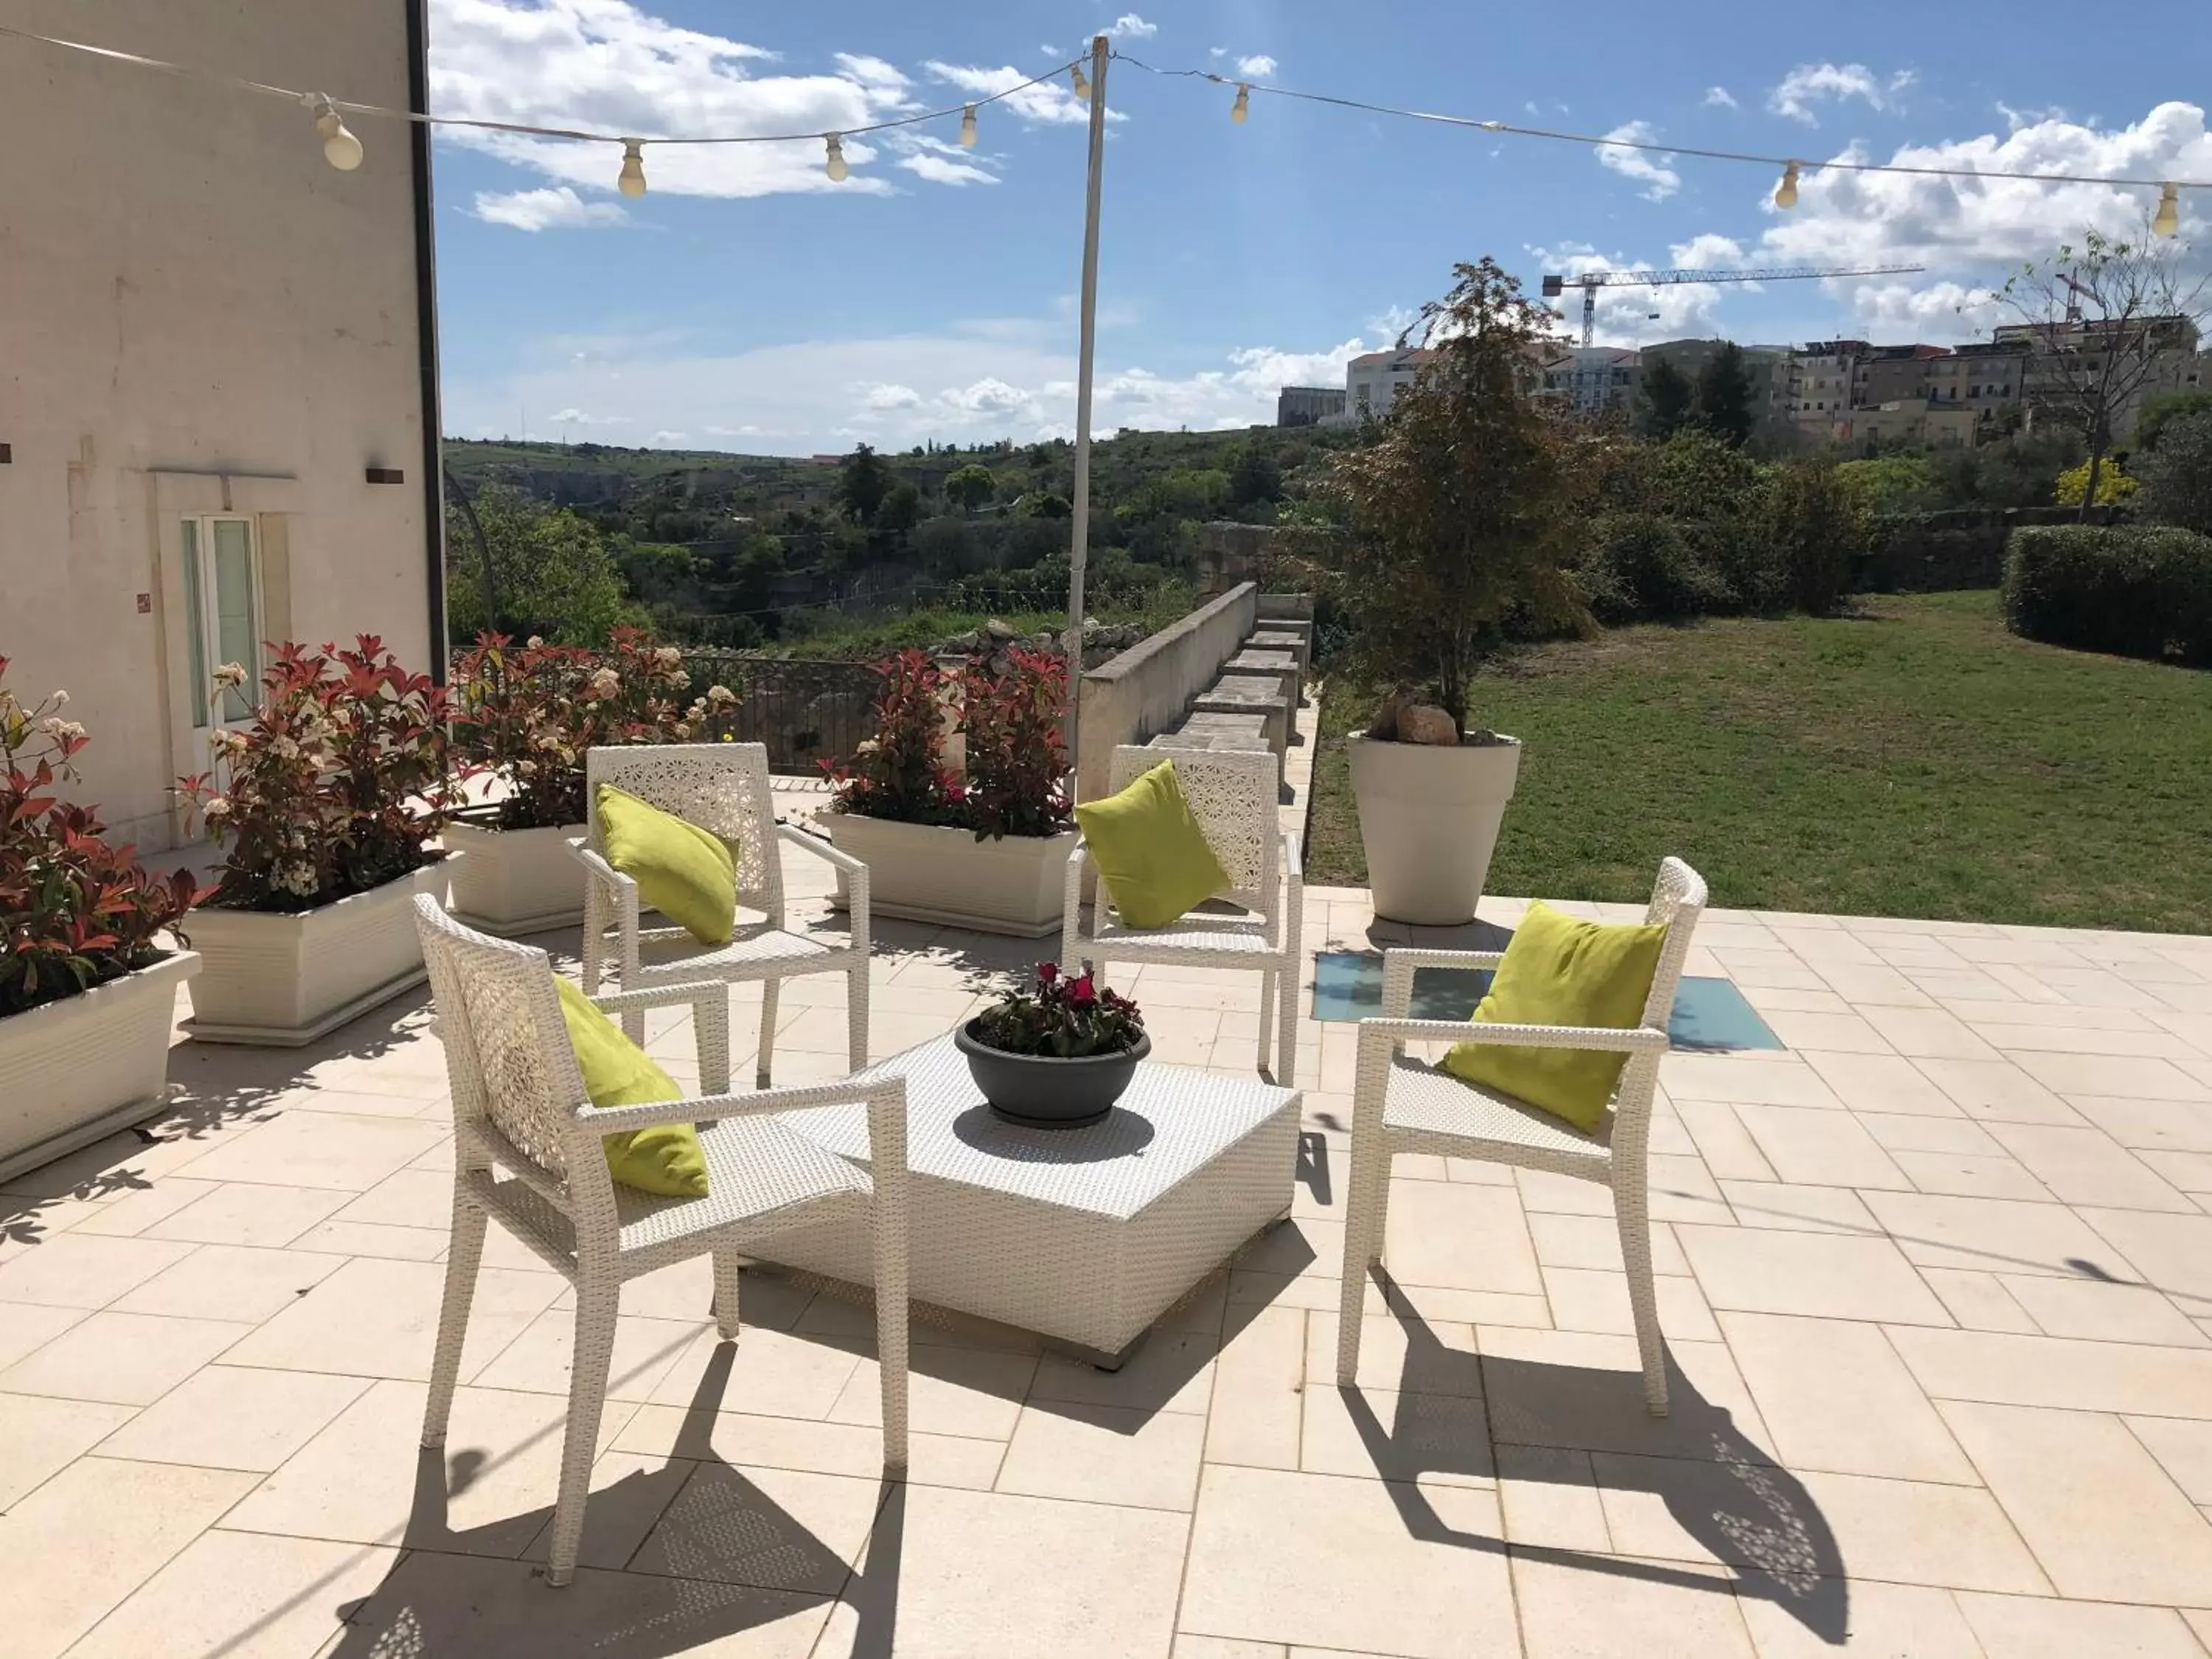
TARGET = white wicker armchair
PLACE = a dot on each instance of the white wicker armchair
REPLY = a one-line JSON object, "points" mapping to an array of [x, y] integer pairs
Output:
{"points": [[528, 1149], [722, 787], [1402, 1104], [1233, 797]]}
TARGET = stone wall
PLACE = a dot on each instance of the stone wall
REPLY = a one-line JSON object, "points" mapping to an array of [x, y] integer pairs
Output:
{"points": [[1146, 690]]}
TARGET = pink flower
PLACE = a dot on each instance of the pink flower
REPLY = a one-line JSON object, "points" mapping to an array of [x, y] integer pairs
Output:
{"points": [[1079, 991], [1047, 972]]}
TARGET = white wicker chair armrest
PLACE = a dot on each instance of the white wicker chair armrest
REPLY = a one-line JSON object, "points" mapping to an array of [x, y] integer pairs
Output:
{"points": [[702, 1109], [1632, 1040], [822, 849], [600, 870], [710, 1022], [1399, 966]]}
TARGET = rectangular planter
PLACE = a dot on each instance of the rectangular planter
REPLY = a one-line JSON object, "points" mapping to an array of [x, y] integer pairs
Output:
{"points": [[510, 882], [73, 1071], [925, 873], [280, 981]]}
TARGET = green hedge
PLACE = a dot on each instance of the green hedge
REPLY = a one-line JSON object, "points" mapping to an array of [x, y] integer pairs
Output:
{"points": [[2132, 590]]}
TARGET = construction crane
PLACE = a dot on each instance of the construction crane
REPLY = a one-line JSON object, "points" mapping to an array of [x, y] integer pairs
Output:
{"points": [[1591, 281]]}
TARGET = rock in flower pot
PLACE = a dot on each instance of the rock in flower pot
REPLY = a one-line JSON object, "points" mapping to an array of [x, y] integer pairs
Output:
{"points": [[1058, 1054], [988, 851], [88, 991], [1429, 817]]}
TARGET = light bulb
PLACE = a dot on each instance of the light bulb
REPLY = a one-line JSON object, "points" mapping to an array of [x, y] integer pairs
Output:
{"points": [[2167, 219], [1239, 111], [838, 170], [340, 148], [1079, 81], [632, 182], [968, 127], [1785, 193]]}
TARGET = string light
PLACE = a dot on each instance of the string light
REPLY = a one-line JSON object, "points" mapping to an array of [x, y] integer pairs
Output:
{"points": [[837, 169], [340, 148], [1081, 82], [1239, 111], [1785, 193], [2167, 219], [632, 182], [968, 127]]}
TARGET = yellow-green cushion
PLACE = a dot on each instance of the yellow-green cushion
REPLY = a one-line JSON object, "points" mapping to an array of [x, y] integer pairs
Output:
{"points": [[1150, 851], [687, 874], [1559, 971], [666, 1159]]}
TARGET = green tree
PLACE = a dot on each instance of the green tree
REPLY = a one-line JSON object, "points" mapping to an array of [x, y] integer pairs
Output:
{"points": [[900, 510], [550, 570], [866, 480], [1723, 396], [970, 486], [1253, 476], [1463, 506], [1042, 504], [1665, 400], [2159, 412], [2177, 476]]}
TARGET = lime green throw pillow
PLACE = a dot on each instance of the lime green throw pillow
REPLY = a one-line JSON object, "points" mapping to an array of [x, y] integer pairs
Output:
{"points": [[1559, 971], [687, 874], [666, 1159], [1150, 851]]}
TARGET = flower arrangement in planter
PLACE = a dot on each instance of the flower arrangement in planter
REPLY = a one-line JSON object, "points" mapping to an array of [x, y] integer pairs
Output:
{"points": [[527, 715], [327, 800], [88, 989], [1057, 1052], [987, 850]]}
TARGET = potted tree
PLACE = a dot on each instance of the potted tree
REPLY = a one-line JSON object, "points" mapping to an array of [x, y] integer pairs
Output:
{"points": [[523, 718], [988, 850], [87, 989], [1460, 517], [1056, 1054], [328, 801]]}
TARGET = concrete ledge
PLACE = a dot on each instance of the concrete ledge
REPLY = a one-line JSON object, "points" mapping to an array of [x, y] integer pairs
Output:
{"points": [[1241, 733], [1281, 666], [1148, 688]]}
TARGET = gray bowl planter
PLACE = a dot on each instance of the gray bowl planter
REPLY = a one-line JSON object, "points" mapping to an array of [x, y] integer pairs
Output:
{"points": [[1044, 1091]]}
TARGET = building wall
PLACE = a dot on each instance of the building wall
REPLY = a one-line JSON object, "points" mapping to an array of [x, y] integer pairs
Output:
{"points": [[1306, 406], [1372, 382], [199, 314]]}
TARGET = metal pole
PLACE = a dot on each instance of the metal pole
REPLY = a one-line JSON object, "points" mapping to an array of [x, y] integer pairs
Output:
{"points": [[1078, 549]]}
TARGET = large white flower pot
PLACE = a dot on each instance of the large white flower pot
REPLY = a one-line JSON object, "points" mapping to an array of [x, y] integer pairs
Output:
{"points": [[926, 872], [510, 882], [1428, 820], [283, 981], [87, 1065]]}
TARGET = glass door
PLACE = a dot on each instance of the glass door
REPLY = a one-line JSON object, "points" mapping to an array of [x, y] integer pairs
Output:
{"points": [[222, 612]]}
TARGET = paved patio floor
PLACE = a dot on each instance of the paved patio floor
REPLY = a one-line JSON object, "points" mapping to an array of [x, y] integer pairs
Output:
{"points": [[1937, 1281]]}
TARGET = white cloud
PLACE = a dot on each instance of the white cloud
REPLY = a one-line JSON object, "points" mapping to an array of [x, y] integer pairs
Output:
{"points": [[1810, 84], [944, 170], [1260, 67], [1648, 167], [1629, 315], [1707, 251], [555, 208], [1130, 26], [1049, 103], [989, 396], [1896, 308], [664, 439], [1719, 97], [891, 397], [574, 416]]}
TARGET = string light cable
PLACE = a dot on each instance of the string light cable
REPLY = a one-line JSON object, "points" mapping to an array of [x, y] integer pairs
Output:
{"points": [[1785, 195]]}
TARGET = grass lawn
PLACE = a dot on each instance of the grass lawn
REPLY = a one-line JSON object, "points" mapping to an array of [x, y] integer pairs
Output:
{"points": [[1914, 760]]}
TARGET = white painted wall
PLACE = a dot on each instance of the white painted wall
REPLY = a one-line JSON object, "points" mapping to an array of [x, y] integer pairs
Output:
{"points": [[197, 313]]}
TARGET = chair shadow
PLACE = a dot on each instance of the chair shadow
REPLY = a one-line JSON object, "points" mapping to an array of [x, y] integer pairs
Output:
{"points": [[1727, 1493], [714, 1557]]}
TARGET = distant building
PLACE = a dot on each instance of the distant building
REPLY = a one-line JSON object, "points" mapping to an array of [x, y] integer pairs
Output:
{"points": [[2062, 356], [1593, 378], [1984, 376], [1894, 374], [1916, 421], [1372, 382], [1820, 384], [1308, 405]]}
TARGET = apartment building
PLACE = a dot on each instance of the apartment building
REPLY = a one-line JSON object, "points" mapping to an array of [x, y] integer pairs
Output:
{"points": [[1594, 379], [1373, 381], [2059, 357]]}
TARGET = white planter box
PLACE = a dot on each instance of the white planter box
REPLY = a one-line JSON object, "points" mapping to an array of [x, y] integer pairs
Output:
{"points": [[283, 981], [1428, 822], [510, 882], [925, 873], [73, 1071]]}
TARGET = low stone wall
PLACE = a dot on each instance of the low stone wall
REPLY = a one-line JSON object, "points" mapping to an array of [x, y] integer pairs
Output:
{"points": [[1146, 689]]}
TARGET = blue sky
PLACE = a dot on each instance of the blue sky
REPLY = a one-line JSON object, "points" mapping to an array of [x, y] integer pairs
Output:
{"points": [[748, 303]]}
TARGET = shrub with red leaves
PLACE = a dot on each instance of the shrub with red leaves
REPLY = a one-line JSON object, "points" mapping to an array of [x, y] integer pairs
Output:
{"points": [[1066, 1016]]}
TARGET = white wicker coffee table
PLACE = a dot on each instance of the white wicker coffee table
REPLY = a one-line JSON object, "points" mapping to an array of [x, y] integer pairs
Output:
{"points": [[1084, 1235]]}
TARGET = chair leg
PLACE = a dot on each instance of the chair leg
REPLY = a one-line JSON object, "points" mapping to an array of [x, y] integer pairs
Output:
{"points": [[1366, 1212], [891, 1321], [856, 1016], [1287, 1030], [1630, 1212], [462, 1259], [1266, 1015], [725, 1293], [597, 1303], [770, 989]]}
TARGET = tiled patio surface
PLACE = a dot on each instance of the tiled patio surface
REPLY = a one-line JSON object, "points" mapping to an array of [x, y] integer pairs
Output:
{"points": [[1937, 1284]]}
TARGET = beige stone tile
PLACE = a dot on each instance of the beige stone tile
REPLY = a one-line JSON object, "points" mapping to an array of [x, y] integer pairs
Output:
{"points": [[1846, 1033], [1996, 1091], [1799, 1209], [1929, 1134], [1172, 1370], [68, 1270], [767, 1372], [2092, 1308], [90, 1536], [1463, 1237], [394, 1243], [1768, 999], [2032, 1627], [2183, 1450], [2016, 1011], [2084, 1166], [769, 1528], [1971, 1175], [629, 1494], [1216, 1647], [997, 1573], [39, 1437], [328, 1150], [2144, 1077], [1835, 1276], [1105, 1454], [2055, 1371], [2173, 1126], [1377, 1433], [1884, 1621], [1808, 1146], [2060, 1035], [1415, 1356], [1271, 1552], [1548, 1500], [223, 1281], [1994, 1235], [795, 1443], [1726, 1146], [1779, 969], [962, 1391], [1862, 985], [1682, 1189], [1579, 1241], [1883, 1083], [2101, 1516], [1592, 1299], [1927, 1033], [1740, 1078], [233, 1416], [1259, 1391], [406, 1198], [2174, 1252], [1543, 1193], [241, 1212], [26, 1325], [2191, 1172], [125, 1359], [1571, 1612], [1575, 1390], [539, 1361], [1835, 1397], [1979, 1301], [377, 1318], [133, 1212]]}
